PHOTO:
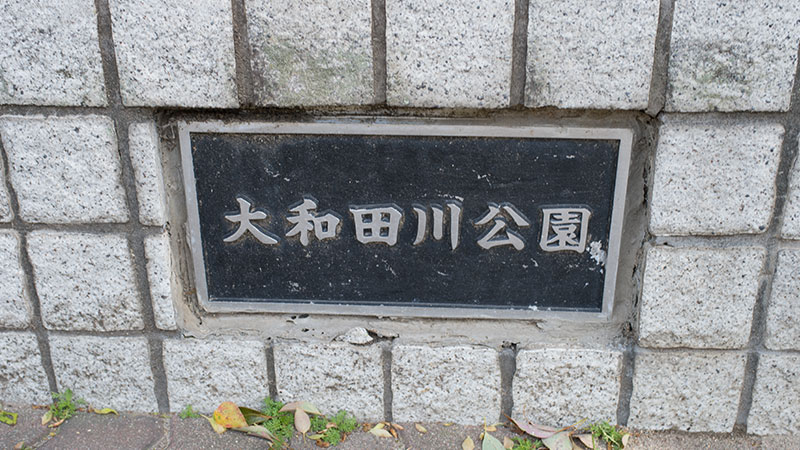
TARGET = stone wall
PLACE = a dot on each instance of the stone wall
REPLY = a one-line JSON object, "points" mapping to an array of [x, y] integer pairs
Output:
{"points": [[95, 286]]}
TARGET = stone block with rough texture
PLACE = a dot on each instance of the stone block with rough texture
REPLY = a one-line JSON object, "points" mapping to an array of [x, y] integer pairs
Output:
{"points": [[776, 395], [204, 373], [562, 386], [458, 384], [320, 57], [715, 177], [733, 56], [14, 309], [23, 380], [159, 274], [699, 297], [175, 53], [783, 310], [6, 214], [688, 391], [107, 372], [449, 54], [590, 54], [65, 169], [49, 54], [332, 376], [146, 162], [85, 281], [791, 212]]}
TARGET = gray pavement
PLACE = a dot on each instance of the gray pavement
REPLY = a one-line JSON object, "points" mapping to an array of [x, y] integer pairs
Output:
{"points": [[154, 431]]}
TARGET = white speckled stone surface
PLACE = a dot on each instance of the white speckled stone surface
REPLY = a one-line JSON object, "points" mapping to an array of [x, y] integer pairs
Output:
{"points": [[320, 57], [6, 214], [49, 54], [205, 373], [714, 177], [791, 212], [590, 54], [733, 56], [459, 384], [563, 386], [159, 274], [783, 310], [14, 307], [64, 169], [699, 297], [24, 379], [331, 376], [688, 391], [776, 395], [175, 53], [441, 53], [146, 163], [85, 281], [107, 372]]}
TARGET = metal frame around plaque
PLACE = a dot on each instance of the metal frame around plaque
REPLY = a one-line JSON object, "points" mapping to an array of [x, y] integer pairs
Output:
{"points": [[387, 127]]}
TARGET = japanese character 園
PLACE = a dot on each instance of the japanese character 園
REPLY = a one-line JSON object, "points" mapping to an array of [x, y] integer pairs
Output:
{"points": [[324, 226], [564, 229], [421, 211], [244, 219], [377, 223], [490, 238]]}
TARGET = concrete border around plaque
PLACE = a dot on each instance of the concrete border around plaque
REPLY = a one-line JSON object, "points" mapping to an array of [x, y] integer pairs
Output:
{"points": [[403, 127]]}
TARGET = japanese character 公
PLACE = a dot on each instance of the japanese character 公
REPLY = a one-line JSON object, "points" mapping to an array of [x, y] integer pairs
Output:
{"points": [[489, 239], [455, 209], [377, 223], [564, 229], [244, 219], [324, 226]]}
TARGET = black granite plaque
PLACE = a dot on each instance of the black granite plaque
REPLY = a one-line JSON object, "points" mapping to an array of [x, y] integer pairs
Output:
{"points": [[415, 221]]}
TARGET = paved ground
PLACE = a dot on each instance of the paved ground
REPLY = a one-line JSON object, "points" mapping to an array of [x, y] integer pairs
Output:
{"points": [[142, 431]]}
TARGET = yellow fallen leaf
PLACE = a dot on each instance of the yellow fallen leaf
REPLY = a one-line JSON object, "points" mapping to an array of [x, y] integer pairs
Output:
{"points": [[448, 424], [468, 444], [397, 426], [104, 411], [56, 424], [420, 428], [490, 428], [507, 442], [229, 416], [219, 429], [378, 430], [47, 417]]}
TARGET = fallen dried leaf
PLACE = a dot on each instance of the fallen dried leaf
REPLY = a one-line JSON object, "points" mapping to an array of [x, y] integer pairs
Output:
{"points": [[625, 438], [19, 446], [228, 415], [394, 433], [537, 431], [256, 430], [558, 441], [378, 430], [219, 429], [301, 421], [490, 428], [448, 424], [56, 424], [507, 442], [397, 426], [305, 406], [315, 436], [490, 443], [586, 439], [420, 428], [104, 411], [468, 444], [47, 417]]}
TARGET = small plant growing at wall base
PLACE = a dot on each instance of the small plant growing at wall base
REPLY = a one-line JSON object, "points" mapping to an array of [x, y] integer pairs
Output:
{"points": [[189, 413], [63, 407]]}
